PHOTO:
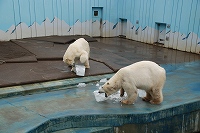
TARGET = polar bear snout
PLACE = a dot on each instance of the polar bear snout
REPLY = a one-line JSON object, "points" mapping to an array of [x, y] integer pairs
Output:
{"points": [[72, 65], [102, 91]]}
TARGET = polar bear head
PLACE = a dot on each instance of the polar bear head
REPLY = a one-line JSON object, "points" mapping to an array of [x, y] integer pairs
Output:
{"points": [[110, 87], [69, 61]]}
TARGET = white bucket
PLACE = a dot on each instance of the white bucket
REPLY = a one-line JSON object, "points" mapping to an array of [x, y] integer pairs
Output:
{"points": [[80, 70]]}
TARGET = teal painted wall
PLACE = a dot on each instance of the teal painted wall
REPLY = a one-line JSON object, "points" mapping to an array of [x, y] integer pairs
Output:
{"points": [[32, 18]]}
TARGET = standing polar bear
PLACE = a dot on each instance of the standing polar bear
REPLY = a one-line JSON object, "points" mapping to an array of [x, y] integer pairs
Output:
{"points": [[144, 75], [77, 50]]}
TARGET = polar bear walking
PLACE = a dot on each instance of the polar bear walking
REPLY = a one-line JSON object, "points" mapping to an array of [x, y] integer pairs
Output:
{"points": [[77, 50], [144, 75]]}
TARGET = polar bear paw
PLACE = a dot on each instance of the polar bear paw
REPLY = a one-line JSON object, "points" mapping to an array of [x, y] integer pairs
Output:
{"points": [[126, 102], [155, 101], [87, 66], [146, 99]]}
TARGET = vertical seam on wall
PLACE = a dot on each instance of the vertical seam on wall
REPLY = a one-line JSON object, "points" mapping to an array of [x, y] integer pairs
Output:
{"points": [[197, 34], [153, 23], [146, 34], [85, 17], [30, 26], [179, 25], [73, 17], [175, 21], [44, 19], [165, 23], [168, 30], [164, 11], [14, 20], [53, 18], [139, 19], [171, 22], [110, 19], [57, 16], [193, 25], [81, 17], [20, 18], [189, 24], [130, 30], [61, 17], [69, 17], [91, 13], [117, 18], [35, 20], [107, 33], [133, 33], [105, 19], [149, 23], [142, 21]]}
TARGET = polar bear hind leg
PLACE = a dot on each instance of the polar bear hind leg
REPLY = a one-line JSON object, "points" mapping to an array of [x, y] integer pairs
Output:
{"points": [[157, 96]]}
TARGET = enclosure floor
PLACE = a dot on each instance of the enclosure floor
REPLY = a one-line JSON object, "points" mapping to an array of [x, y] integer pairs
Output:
{"points": [[76, 107], [34, 60], [60, 104]]}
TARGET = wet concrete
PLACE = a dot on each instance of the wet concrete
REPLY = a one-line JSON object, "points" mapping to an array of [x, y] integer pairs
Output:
{"points": [[66, 106], [136, 51], [76, 107]]}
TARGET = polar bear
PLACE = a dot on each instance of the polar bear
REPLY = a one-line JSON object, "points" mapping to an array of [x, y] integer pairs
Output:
{"points": [[144, 75], [79, 49]]}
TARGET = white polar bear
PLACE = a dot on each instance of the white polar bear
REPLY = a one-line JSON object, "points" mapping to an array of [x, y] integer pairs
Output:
{"points": [[144, 75], [77, 50]]}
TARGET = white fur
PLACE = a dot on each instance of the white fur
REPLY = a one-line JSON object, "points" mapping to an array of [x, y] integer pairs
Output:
{"points": [[144, 75], [79, 49]]}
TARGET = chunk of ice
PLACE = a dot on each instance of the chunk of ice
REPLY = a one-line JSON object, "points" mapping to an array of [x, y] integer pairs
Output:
{"points": [[81, 85], [97, 84], [99, 96], [141, 93], [114, 97], [103, 80]]}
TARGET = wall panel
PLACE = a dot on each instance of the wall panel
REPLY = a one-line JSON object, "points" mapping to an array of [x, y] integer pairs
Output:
{"points": [[24, 12], [194, 26], [49, 17], [7, 20], [33, 18]]}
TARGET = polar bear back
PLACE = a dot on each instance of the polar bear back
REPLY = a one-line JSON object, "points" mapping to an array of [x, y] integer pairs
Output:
{"points": [[144, 75], [77, 48]]}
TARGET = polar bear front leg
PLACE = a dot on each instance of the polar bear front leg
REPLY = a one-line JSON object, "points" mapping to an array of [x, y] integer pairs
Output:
{"points": [[121, 92], [132, 94], [85, 59], [87, 65]]}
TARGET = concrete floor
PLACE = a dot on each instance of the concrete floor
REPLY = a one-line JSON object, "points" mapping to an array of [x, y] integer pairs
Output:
{"points": [[65, 106], [76, 107], [34, 60], [137, 51]]}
